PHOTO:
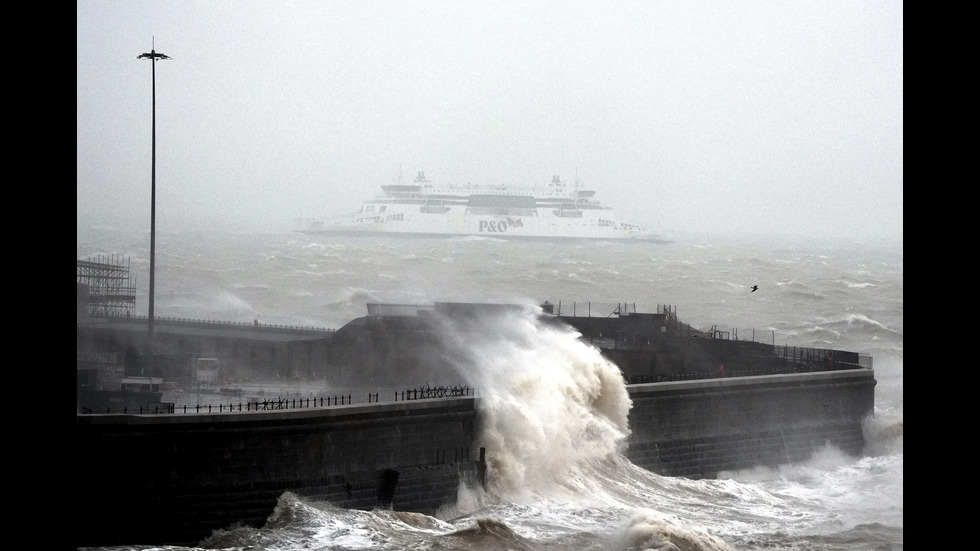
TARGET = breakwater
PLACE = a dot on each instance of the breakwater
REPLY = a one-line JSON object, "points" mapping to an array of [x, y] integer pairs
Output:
{"points": [[698, 429], [176, 478], [173, 479], [702, 403]]}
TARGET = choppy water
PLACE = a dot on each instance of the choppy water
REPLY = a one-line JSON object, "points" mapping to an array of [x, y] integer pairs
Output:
{"points": [[557, 480]]}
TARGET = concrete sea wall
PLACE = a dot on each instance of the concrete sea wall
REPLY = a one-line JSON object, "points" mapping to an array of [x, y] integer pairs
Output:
{"points": [[699, 428], [172, 479]]}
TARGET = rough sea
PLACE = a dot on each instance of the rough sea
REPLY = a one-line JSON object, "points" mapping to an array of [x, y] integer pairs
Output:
{"points": [[546, 490]]}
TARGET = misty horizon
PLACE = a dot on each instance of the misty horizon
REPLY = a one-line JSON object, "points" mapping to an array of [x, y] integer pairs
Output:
{"points": [[758, 119]]}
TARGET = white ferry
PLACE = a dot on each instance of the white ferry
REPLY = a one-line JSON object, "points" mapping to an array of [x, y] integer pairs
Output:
{"points": [[422, 208]]}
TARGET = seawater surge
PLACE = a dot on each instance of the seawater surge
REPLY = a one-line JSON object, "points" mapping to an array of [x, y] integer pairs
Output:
{"points": [[548, 402]]}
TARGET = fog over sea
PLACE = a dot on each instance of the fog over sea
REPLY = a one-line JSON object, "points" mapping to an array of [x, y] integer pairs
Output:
{"points": [[558, 480]]}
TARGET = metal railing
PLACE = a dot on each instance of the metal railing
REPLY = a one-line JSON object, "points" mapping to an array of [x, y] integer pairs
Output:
{"points": [[427, 392], [215, 323], [277, 404]]}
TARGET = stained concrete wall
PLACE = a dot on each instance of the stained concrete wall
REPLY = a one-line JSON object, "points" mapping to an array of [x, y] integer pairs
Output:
{"points": [[699, 428], [156, 479]]}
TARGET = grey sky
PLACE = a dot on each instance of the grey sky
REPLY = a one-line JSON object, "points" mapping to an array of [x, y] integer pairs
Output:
{"points": [[762, 117]]}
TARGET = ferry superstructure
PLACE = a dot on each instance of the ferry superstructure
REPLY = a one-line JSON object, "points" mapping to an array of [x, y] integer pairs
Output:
{"points": [[421, 208]]}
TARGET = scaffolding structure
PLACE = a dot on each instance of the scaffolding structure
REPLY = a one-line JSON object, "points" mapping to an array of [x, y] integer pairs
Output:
{"points": [[110, 290]]}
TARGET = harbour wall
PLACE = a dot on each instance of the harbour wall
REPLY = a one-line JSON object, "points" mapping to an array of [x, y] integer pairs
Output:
{"points": [[698, 429], [173, 478]]}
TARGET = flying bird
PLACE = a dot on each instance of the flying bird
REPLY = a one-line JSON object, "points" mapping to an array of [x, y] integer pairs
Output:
{"points": [[754, 288], [153, 55]]}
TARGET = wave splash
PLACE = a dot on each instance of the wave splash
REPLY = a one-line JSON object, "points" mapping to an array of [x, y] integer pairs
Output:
{"points": [[652, 531], [548, 402]]}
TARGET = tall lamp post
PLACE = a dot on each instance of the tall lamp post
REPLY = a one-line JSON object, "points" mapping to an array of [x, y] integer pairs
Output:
{"points": [[153, 56]]}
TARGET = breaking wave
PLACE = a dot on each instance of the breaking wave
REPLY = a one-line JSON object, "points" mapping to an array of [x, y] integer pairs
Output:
{"points": [[548, 402]]}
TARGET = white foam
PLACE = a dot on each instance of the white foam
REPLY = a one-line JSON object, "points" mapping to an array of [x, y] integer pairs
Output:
{"points": [[548, 401]]}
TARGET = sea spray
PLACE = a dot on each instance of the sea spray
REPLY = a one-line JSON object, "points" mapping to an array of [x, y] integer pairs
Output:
{"points": [[548, 402], [554, 422], [649, 530]]}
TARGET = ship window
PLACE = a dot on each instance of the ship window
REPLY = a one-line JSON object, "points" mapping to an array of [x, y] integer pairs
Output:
{"points": [[382, 208]]}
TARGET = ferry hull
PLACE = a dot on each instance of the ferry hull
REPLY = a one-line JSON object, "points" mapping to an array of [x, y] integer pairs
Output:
{"points": [[421, 209], [494, 227]]}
